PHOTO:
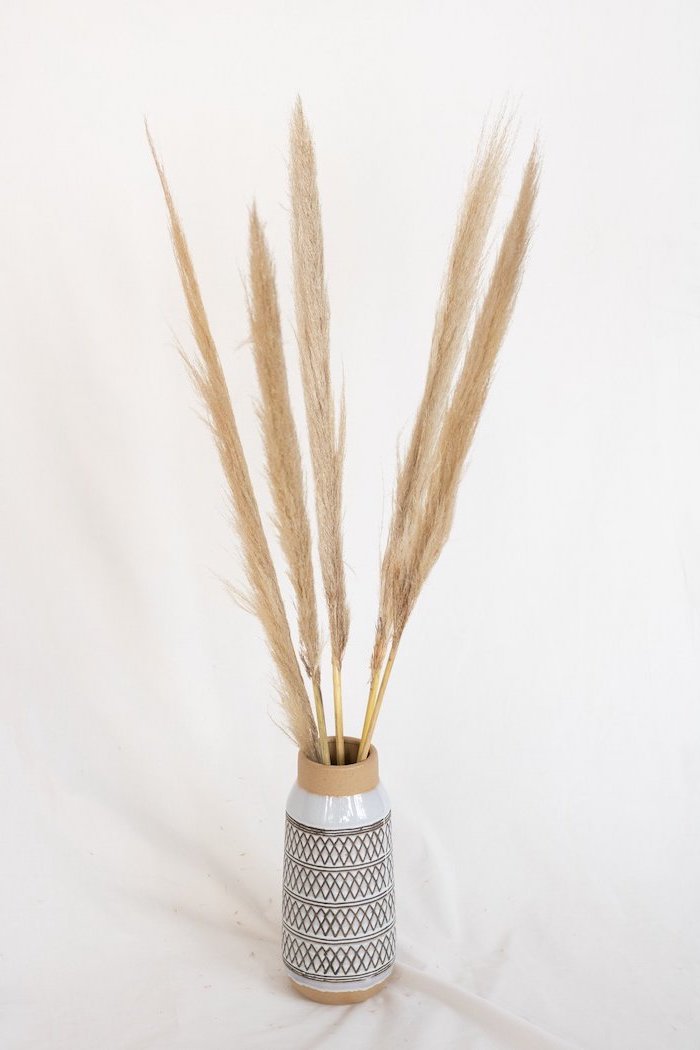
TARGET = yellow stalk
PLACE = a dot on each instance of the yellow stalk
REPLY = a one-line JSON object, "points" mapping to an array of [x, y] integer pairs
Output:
{"points": [[321, 720], [371, 701], [366, 743], [338, 707]]}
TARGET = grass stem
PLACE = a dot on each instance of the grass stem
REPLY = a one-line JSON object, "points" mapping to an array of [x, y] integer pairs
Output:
{"points": [[366, 742], [321, 722], [371, 701], [338, 709]]}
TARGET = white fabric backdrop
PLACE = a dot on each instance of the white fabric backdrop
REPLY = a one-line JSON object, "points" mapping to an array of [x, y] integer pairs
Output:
{"points": [[540, 738]]}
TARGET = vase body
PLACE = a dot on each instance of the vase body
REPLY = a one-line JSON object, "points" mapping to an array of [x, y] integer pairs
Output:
{"points": [[338, 916]]}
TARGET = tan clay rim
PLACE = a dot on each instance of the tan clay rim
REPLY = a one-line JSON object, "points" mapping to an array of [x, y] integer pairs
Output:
{"points": [[350, 779]]}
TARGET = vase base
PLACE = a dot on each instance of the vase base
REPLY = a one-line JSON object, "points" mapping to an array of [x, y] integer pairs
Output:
{"points": [[320, 995]]}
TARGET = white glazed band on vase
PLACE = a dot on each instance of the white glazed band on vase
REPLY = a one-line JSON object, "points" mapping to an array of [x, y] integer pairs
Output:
{"points": [[338, 912]]}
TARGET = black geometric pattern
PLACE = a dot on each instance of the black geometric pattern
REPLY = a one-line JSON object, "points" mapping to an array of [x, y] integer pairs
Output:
{"points": [[339, 962], [338, 885], [338, 909], [337, 921], [337, 849]]}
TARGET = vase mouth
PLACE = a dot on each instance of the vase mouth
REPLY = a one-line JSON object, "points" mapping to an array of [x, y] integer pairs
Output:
{"points": [[353, 778]]}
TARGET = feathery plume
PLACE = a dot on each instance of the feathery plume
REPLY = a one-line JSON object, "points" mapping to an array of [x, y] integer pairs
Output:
{"points": [[283, 457], [469, 397], [455, 309], [263, 595], [420, 548], [326, 442]]}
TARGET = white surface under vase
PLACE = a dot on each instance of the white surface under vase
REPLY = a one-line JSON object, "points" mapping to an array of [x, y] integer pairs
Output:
{"points": [[338, 913]]}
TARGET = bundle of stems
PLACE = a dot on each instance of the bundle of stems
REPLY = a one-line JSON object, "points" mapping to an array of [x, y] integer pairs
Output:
{"points": [[469, 328]]}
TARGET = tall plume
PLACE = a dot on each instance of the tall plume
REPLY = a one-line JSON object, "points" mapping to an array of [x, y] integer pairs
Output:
{"points": [[455, 309], [326, 442], [468, 399], [419, 547], [263, 593], [283, 456]]}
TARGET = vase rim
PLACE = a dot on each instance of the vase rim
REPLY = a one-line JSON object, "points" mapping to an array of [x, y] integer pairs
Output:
{"points": [[351, 779]]}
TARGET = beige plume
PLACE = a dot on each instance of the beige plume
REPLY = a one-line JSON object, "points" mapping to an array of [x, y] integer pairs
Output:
{"points": [[326, 442], [455, 309], [263, 595], [283, 456], [421, 545]]}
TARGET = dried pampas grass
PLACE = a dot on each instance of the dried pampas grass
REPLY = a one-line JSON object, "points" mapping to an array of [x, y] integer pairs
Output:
{"points": [[455, 309], [467, 336], [420, 544], [263, 596], [283, 455], [327, 443]]}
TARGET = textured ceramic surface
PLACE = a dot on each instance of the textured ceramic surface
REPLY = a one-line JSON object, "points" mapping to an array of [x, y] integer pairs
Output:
{"points": [[338, 935]]}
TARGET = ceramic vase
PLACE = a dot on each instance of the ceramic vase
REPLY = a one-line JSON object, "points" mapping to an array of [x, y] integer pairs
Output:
{"points": [[338, 917]]}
